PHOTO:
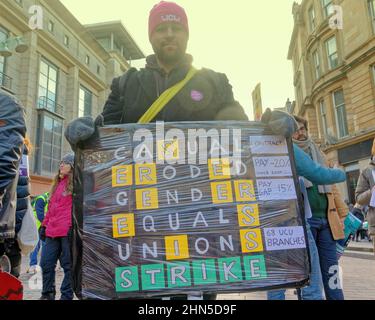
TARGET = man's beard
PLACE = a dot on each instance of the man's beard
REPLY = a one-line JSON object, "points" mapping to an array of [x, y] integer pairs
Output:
{"points": [[169, 58], [300, 138]]}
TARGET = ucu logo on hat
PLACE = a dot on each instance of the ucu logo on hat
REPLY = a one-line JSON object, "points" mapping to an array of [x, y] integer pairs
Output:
{"points": [[167, 12], [170, 17]]}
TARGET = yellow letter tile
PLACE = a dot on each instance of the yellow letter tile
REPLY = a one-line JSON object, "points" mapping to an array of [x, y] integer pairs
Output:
{"points": [[221, 192], [251, 240], [147, 199], [123, 225], [122, 176], [244, 190], [219, 168], [248, 215], [145, 174], [176, 247]]}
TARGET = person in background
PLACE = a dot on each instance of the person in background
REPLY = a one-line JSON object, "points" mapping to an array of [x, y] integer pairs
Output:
{"points": [[328, 214], [11, 248], [314, 172], [12, 135], [364, 193], [40, 208], [55, 231]]}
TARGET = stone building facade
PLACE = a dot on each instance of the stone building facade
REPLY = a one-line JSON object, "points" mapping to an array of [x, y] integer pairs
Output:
{"points": [[333, 54], [65, 73]]}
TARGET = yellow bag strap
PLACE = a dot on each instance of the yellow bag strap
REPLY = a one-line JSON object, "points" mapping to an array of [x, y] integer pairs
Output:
{"points": [[165, 97]]}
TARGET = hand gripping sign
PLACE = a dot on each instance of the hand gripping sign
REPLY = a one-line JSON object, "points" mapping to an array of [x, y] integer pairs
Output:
{"points": [[180, 208]]}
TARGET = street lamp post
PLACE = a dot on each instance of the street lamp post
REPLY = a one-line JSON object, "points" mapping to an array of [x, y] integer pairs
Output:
{"points": [[16, 44]]}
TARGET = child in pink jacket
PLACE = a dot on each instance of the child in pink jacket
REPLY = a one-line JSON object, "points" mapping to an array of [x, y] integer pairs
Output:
{"points": [[55, 230]]}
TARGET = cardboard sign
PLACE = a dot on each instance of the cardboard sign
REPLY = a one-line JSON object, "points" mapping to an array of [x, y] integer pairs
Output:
{"points": [[198, 207]]}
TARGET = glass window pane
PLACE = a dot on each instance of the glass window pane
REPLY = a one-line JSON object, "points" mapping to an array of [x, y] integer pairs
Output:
{"points": [[55, 165], [52, 74], [312, 19], [81, 94], [85, 102], [42, 92], [44, 68], [47, 149], [51, 97], [334, 61], [52, 144], [57, 128], [372, 13], [46, 164], [2, 64], [48, 123], [3, 35], [331, 46], [330, 9], [88, 104], [343, 126], [339, 97], [52, 86], [56, 153], [43, 81]]}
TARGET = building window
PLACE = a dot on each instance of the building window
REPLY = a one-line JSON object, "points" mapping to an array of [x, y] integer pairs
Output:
{"points": [[323, 115], [327, 8], [47, 86], [333, 59], [316, 65], [87, 60], [50, 133], [371, 5], [340, 111], [66, 40], [98, 69], [51, 26], [312, 19], [85, 102], [3, 37]]}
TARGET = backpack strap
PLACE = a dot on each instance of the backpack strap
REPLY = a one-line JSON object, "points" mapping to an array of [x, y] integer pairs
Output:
{"points": [[165, 97], [122, 89]]}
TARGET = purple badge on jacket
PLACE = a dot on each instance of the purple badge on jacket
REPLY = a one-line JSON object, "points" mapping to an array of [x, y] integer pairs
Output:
{"points": [[196, 95]]}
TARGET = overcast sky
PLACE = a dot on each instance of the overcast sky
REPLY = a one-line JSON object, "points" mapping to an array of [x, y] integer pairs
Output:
{"points": [[246, 39]]}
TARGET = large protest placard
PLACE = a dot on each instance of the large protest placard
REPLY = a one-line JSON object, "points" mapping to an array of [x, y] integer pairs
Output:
{"points": [[184, 208]]}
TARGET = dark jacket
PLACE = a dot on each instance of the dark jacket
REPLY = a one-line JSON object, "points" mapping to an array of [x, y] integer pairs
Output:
{"points": [[206, 97], [23, 197], [12, 134]]}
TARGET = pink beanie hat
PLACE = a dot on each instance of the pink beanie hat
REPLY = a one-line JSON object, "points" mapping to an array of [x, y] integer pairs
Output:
{"points": [[167, 12]]}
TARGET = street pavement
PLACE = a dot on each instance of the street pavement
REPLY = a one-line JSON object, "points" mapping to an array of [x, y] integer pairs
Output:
{"points": [[358, 266]]}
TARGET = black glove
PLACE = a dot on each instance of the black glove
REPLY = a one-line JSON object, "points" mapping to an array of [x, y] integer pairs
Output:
{"points": [[80, 130], [280, 122], [42, 233]]}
